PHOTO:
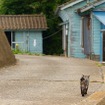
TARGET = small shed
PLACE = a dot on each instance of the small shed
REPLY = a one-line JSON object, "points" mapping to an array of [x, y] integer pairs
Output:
{"points": [[24, 31], [83, 28]]}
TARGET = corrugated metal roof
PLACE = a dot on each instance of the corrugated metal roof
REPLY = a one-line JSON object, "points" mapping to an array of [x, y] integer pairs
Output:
{"points": [[91, 5], [67, 4], [22, 22], [100, 15]]}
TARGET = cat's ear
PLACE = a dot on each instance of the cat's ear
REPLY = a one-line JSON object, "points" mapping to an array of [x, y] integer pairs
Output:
{"points": [[88, 76]]}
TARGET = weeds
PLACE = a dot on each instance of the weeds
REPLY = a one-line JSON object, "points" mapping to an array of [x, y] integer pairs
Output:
{"points": [[28, 53]]}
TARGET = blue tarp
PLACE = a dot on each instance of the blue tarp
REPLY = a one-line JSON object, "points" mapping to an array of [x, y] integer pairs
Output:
{"points": [[100, 15]]}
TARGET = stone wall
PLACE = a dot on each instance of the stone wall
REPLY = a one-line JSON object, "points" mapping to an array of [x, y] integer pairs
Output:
{"points": [[6, 56]]}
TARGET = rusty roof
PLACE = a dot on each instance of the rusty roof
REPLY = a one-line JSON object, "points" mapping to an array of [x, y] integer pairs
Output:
{"points": [[23, 22]]}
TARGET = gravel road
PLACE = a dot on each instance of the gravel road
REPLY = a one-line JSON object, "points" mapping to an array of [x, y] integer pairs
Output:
{"points": [[46, 80]]}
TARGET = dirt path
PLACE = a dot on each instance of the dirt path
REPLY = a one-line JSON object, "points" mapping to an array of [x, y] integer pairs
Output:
{"points": [[37, 80]]}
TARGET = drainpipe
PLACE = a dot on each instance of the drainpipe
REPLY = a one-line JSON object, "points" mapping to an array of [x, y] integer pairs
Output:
{"points": [[69, 38], [69, 33], [64, 39], [64, 36]]}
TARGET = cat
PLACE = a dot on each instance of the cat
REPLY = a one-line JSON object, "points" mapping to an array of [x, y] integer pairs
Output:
{"points": [[84, 84]]}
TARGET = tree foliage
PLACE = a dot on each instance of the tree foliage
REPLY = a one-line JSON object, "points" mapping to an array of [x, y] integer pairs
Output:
{"points": [[53, 44]]}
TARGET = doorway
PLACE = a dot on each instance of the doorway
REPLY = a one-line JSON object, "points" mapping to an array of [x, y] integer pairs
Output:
{"points": [[86, 30], [8, 35], [104, 46]]}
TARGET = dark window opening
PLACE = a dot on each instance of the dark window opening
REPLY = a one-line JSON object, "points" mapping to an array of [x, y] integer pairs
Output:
{"points": [[13, 39], [8, 35]]}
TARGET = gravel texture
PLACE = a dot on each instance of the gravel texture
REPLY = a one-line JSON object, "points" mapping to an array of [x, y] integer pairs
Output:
{"points": [[46, 80]]}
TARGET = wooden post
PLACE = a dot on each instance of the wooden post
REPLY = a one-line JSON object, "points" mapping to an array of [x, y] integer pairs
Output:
{"points": [[64, 39]]}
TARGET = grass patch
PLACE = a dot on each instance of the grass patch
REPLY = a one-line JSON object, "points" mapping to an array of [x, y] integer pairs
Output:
{"points": [[28, 53]]}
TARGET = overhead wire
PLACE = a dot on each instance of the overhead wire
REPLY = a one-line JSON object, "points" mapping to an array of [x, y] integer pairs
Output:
{"points": [[52, 34]]}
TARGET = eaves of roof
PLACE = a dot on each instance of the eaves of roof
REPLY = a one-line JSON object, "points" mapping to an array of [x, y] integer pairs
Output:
{"points": [[67, 4], [92, 5]]}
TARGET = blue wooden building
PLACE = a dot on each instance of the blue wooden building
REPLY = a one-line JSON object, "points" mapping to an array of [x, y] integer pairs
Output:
{"points": [[24, 31], [83, 28]]}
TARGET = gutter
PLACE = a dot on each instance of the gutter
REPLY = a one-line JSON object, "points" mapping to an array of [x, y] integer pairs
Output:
{"points": [[71, 4]]}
